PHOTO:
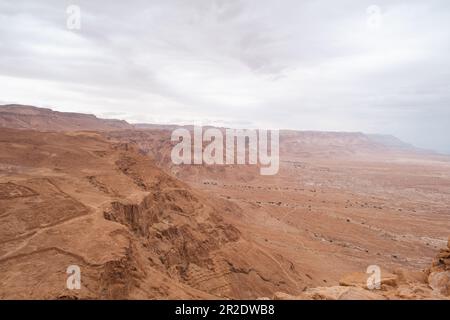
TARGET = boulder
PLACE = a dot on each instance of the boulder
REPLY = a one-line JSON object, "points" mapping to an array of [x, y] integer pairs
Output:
{"points": [[283, 296], [359, 279], [340, 293], [409, 276], [331, 293], [440, 282]]}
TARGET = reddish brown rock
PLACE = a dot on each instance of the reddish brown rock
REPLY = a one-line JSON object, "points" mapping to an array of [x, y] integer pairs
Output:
{"points": [[410, 276], [440, 282], [359, 279]]}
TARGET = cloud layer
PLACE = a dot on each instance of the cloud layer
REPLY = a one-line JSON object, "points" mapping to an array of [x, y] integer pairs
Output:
{"points": [[312, 65]]}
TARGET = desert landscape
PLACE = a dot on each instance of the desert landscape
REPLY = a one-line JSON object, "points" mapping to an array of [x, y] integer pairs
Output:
{"points": [[104, 195]]}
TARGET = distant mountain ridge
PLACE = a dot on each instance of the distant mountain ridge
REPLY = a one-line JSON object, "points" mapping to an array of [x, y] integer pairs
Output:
{"points": [[16, 116], [42, 119], [390, 141]]}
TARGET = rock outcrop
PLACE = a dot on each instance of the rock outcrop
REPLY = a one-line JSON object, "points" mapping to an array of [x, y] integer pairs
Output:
{"points": [[433, 283], [439, 273], [359, 279]]}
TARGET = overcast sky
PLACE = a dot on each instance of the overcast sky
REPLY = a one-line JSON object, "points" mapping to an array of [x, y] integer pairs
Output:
{"points": [[308, 65]]}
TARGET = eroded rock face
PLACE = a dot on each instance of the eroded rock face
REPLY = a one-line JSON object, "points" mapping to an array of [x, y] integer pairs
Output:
{"points": [[134, 231]]}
